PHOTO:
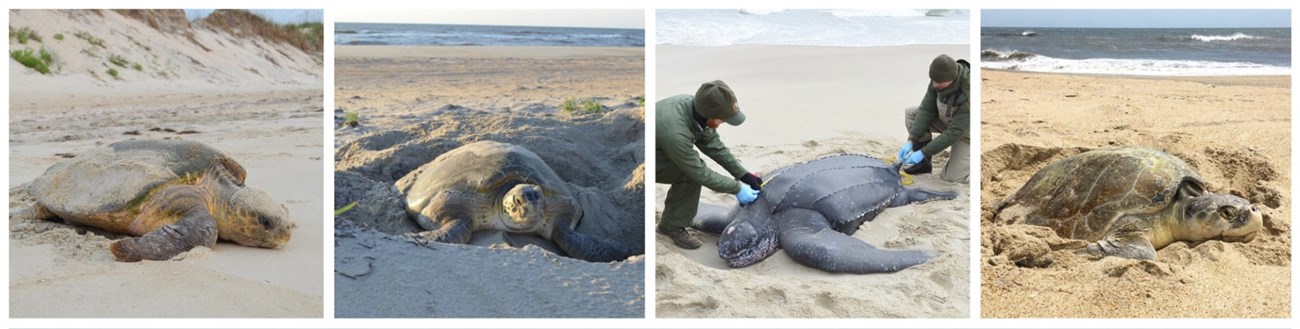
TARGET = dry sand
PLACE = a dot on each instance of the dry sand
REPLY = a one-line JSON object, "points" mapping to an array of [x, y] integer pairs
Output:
{"points": [[1234, 130], [269, 121], [803, 103], [416, 103]]}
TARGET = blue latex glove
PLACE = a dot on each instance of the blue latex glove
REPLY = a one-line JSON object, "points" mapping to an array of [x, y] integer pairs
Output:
{"points": [[746, 194], [914, 158], [907, 148]]}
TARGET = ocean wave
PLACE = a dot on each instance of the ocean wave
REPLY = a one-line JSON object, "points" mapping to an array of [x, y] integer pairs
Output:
{"points": [[849, 13], [1233, 37], [1209, 38], [1115, 66], [1002, 56], [760, 12]]}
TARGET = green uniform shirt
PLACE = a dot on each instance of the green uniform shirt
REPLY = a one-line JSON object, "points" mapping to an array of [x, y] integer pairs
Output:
{"points": [[958, 127], [676, 138]]}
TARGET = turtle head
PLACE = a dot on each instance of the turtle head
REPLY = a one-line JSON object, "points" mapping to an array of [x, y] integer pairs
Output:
{"points": [[742, 243], [255, 219], [245, 215], [1221, 217], [523, 203]]}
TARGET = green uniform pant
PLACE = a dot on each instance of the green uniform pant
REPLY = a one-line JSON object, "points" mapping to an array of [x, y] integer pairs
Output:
{"points": [[958, 167], [683, 199]]}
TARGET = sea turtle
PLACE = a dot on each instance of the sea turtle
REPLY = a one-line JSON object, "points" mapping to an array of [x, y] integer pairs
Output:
{"points": [[490, 185], [172, 195], [1129, 201], [812, 209]]}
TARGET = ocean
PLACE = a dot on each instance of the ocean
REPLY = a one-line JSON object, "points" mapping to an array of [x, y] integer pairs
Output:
{"points": [[483, 35], [842, 28], [1137, 51]]}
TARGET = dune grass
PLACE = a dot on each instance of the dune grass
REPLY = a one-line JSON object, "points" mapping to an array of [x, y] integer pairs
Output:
{"points": [[30, 59], [23, 34], [113, 72]]}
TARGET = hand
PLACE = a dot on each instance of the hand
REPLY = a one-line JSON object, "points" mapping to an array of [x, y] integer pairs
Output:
{"points": [[746, 195], [902, 153], [914, 158], [753, 180]]}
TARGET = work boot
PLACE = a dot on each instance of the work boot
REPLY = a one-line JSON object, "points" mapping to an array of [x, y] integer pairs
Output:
{"points": [[921, 168], [681, 237]]}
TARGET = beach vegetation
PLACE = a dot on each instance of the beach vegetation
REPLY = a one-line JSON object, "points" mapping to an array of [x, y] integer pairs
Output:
{"points": [[30, 59], [305, 35], [351, 119], [23, 34], [113, 72], [91, 39], [590, 105], [117, 60], [58, 36], [340, 211], [137, 67], [569, 105], [640, 101]]}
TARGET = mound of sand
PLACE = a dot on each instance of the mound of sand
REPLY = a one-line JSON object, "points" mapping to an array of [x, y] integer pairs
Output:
{"points": [[1232, 142]]}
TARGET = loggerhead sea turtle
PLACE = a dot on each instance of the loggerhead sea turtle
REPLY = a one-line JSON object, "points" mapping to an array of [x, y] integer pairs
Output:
{"points": [[812, 209], [173, 195], [1130, 201], [497, 186]]}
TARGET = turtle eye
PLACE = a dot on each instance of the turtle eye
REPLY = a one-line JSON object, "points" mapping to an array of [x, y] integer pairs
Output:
{"points": [[265, 221], [1228, 212]]}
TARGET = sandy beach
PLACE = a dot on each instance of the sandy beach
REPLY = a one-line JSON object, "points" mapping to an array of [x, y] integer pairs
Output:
{"points": [[802, 103], [414, 103], [1234, 130], [256, 99]]}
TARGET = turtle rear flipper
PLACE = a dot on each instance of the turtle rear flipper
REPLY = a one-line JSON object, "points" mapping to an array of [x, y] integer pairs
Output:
{"points": [[196, 228], [35, 212], [918, 195], [587, 247], [809, 240]]}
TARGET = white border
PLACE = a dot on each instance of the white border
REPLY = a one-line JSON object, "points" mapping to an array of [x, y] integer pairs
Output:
{"points": [[333, 6]]}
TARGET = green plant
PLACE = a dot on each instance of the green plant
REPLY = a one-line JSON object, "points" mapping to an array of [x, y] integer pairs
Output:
{"points": [[640, 101], [137, 67], [46, 56], [58, 36], [340, 211], [117, 60], [113, 72], [351, 119], [92, 40], [28, 59], [570, 105], [590, 105], [25, 33]]}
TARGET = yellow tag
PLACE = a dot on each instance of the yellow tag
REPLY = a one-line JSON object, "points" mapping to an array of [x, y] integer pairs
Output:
{"points": [[907, 179]]}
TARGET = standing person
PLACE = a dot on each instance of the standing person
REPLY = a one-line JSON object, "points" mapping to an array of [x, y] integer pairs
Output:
{"points": [[684, 123], [944, 110]]}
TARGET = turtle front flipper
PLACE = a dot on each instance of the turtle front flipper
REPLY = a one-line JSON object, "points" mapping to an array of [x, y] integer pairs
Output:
{"points": [[711, 218], [451, 231], [1126, 243], [809, 240], [918, 195], [588, 247], [196, 228]]}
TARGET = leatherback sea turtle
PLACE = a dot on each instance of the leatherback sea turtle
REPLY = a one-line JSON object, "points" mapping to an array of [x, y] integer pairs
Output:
{"points": [[811, 209], [1129, 201], [497, 186], [173, 195]]}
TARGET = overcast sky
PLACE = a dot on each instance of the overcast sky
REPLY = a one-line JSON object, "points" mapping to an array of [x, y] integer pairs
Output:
{"points": [[1157, 18], [615, 18]]}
